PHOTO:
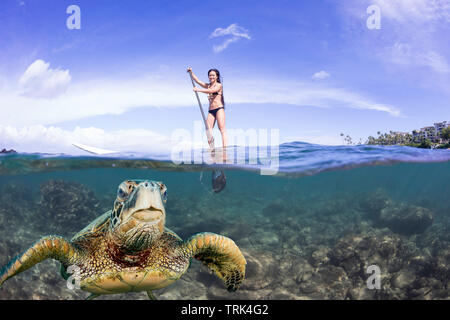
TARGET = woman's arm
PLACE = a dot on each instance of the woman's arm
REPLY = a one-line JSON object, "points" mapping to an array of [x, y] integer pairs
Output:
{"points": [[201, 83], [216, 88]]}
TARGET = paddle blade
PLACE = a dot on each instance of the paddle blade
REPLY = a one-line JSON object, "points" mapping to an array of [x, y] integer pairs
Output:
{"points": [[218, 180]]}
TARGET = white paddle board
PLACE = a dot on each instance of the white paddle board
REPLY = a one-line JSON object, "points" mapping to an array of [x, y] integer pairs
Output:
{"points": [[93, 150]]}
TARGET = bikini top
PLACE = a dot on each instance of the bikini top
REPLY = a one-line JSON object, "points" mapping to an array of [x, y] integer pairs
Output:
{"points": [[216, 93]]}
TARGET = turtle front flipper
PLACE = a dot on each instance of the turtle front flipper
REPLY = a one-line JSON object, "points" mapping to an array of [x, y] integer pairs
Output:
{"points": [[48, 247], [221, 255]]}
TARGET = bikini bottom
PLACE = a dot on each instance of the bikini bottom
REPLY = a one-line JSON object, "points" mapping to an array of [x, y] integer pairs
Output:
{"points": [[214, 111]]}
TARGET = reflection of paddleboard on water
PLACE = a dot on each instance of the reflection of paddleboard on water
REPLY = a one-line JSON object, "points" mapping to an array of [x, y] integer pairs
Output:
{"points": [[92, 150], [218, 176]]}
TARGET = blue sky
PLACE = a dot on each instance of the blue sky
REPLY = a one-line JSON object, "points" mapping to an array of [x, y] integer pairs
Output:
{"points": [[310, 69]]}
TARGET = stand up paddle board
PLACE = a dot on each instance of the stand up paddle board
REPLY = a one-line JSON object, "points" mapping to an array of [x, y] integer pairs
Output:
{"points": [[93, 150]]}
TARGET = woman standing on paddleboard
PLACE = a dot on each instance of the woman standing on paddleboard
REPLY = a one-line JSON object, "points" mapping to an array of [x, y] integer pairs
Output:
{"points": [[216, 103]]}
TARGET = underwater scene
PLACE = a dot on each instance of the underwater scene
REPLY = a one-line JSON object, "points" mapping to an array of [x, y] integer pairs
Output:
{"points": [[333, 222]]}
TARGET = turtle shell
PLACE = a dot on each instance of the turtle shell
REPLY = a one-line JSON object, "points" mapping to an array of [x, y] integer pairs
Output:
{"points": [[96, 225]]}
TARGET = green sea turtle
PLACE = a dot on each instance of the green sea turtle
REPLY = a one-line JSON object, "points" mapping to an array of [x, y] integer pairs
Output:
{"points": [[129, 249]]}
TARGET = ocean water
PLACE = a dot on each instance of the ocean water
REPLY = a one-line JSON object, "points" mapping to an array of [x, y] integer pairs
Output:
{"points": [[308, 230]]}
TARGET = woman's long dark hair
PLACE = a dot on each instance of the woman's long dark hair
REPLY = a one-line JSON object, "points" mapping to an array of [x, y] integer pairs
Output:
{"points": [[218, 80]]}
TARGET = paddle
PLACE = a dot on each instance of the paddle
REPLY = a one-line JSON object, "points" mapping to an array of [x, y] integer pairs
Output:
{"points": [[218, 176]]}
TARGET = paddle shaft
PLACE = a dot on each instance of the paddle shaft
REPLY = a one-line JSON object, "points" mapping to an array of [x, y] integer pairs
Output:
{"points": [[208, 131]]}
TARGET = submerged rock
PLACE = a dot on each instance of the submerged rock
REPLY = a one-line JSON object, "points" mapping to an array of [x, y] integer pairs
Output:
{"points": [[374, 202], [403, 279], [320, 256], [406, 219], [260, 270], [66, 207], [406, 272]]}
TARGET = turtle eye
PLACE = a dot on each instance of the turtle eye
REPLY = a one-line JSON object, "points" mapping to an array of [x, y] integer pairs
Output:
{"points": [[122, 195], [163, 190]]}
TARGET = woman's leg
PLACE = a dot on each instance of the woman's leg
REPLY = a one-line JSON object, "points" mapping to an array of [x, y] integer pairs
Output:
{"points": [[220, 116], [210, 122]]}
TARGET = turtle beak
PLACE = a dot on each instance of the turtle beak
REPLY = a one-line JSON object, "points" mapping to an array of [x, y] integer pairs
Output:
{"points": [[151, 215]]}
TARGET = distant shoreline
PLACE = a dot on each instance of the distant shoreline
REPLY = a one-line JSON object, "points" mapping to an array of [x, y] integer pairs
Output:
{"points": [[8, 151]]}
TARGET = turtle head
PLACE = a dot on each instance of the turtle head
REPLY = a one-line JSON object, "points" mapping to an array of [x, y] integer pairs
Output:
{"points": [[138, 216]]}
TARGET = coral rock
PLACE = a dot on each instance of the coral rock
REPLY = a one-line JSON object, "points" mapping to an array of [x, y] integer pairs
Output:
{"points": [[406, 219]]}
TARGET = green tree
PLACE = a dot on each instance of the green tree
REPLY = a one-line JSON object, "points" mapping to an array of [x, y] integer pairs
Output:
{"points": [[445, 133], [348, 140], [371, 140], [425, 144], [408, 138]]}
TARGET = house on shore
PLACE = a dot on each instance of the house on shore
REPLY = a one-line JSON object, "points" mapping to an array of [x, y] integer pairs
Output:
{"points": [[432, 133]]}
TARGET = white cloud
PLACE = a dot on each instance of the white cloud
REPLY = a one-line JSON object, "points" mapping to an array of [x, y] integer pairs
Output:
{"points": [[40, 81], [236, 32], [404, 54], [415, 11], [301, 94], [435, 61], [50, 139], [107, 96], [224, 45], [402, 12], [321, 75], [411, 34], [94, 97]]}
